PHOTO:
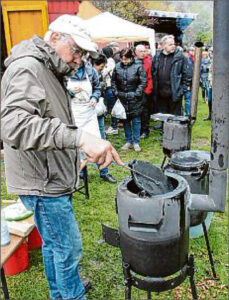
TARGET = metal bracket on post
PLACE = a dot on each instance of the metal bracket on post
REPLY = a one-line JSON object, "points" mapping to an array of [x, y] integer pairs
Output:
{"points": [[111, 236]]}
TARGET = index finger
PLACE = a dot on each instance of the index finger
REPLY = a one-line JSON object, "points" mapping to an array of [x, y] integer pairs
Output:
{"points": [[116, 157], [107, 160]]}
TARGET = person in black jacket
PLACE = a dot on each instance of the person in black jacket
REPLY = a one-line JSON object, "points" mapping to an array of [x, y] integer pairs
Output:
{"points": [[170, 77], [128, 84]]}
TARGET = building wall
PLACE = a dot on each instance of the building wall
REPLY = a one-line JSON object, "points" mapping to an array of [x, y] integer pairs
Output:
{"points": [[57, 8], [23, 19]]}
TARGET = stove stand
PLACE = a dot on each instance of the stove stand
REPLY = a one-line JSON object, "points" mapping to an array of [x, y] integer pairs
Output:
{"points": [[150, 284], [156, 284], [209, 251]]}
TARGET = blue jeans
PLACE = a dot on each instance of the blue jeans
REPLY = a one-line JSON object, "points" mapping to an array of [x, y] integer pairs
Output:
{"points": [[187, 98], [61, 244], [209, 95], [110, 101], [101, 122], [132, 130], [204, 87]]}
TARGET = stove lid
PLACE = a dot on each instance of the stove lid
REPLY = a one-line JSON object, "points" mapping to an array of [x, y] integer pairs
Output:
{"points": [[159, 183], [178, 119], [191, 159]]}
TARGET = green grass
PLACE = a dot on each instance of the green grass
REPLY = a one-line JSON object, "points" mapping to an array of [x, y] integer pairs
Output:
{"points": [[101, 262]]}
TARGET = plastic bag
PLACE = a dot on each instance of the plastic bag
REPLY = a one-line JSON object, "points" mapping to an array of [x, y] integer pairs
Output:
{"points": [[16, 212], [100, 107], [118, 110]]}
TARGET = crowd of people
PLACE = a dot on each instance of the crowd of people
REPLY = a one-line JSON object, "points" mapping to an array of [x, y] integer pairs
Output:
{"points": [[147, 85], [51, 91]]}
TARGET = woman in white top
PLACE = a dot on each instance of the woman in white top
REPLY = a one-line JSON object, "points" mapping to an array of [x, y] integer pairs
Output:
{"points": [[85, 90]]}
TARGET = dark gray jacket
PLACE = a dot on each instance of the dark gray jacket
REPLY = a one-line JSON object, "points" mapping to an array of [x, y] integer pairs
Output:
{"points": [[40, 139], [128, 84], [178, 75]]}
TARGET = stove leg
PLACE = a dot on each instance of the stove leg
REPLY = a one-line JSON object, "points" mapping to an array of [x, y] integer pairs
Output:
{"points": [[86, 183], [163, 162], [191, 278], [209, 250], [128, 280], [149, 295], [128, 293], [193, 288]]}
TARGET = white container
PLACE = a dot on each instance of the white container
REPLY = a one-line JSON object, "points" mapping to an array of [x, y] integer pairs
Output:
{"points": [[5, 236]]}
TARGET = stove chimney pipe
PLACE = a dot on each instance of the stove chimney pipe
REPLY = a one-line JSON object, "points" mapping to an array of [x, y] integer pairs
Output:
{"points": [[220, 111], [220, 115], [196, 80]]}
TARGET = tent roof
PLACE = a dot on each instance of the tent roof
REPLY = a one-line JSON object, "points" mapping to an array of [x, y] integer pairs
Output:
{"points": [[108, 27], [171, 14]]}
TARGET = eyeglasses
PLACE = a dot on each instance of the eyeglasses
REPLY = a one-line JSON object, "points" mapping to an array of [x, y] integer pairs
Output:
{"points": [[75, 49]]}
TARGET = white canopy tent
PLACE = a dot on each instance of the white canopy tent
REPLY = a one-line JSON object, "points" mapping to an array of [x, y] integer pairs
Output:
{"points": [[107, 27]]}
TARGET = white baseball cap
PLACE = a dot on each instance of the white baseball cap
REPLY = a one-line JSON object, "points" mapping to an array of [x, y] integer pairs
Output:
{"points": [[75, 27]]}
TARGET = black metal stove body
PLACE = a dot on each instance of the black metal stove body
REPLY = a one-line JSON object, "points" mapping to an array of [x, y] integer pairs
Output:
{"points": [[153, 236], [177, 129], [193, 165], [153, 230], [176, 135]]}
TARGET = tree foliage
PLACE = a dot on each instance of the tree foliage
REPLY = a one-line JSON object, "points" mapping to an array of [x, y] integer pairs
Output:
{"points": [[201, 29], [136, 11], [131, 10], [158, 5]]}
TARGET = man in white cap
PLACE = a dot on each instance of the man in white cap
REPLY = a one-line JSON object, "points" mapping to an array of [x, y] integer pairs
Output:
{"points": [[41, 144]]}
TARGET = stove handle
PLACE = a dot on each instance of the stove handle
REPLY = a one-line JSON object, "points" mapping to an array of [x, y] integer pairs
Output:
{"points": [[204, 172], [144, 226]]}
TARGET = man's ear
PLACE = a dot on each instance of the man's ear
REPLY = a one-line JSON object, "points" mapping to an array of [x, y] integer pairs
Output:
{"points": [[55, 36]]}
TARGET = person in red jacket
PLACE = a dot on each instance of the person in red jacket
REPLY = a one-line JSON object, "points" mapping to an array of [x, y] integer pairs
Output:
{"points": [[143, 57]]}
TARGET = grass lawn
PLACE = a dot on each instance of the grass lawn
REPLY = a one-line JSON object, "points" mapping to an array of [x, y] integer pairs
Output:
{"points": [[101, 262]]}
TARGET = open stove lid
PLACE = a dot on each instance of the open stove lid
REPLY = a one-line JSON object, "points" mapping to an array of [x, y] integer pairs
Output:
{"points": [[159, 183], [178, 119], [170, 118], [191, 159]]}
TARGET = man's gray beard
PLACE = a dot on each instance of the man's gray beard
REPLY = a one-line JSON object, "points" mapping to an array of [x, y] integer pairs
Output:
{"points": [[73, 66]]}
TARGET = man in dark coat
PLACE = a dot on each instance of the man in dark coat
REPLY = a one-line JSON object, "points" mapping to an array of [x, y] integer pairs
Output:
{"points": [[169, 77]]}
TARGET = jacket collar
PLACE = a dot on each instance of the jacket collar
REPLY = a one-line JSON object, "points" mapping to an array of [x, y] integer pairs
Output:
{"points": [[177, 54], [129, 64], [50, 58], [37, 48]]}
